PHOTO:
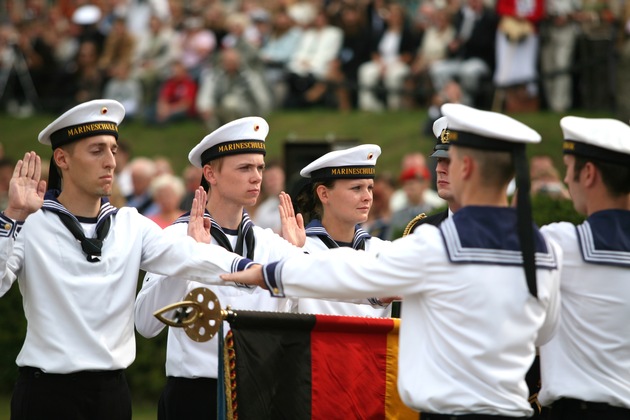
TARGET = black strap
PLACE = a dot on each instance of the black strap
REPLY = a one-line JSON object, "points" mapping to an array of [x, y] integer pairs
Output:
{"points": [[524, 217], [245, 236], [328, 241], [91, 246], [221, 239], [331, 243]]}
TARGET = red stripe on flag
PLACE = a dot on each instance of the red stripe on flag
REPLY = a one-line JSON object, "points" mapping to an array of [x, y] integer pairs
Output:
{"points": [[348, 367]]}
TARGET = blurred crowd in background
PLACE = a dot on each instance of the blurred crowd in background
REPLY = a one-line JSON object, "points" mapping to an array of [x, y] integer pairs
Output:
{"points": [[217, 60]]}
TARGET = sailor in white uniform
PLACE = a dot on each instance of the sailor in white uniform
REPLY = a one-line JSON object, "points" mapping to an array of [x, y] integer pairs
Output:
{"points": [[585, 368], [336, 201], [232, 158], [473, 311], [76, 259]]}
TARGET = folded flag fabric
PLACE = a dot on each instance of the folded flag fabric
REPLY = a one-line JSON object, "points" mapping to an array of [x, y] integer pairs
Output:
{"points": [[300, 366]]}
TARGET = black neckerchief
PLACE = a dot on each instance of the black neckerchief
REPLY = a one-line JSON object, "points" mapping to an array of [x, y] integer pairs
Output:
{"points": [[91, 246], [245, 238]]}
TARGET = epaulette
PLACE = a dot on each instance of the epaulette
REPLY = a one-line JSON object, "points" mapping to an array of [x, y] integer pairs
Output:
{"points": [[412, 224]]}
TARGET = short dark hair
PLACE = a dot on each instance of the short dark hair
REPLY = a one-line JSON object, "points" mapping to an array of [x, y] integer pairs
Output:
{"points": [[497, 167], [616, 177]]}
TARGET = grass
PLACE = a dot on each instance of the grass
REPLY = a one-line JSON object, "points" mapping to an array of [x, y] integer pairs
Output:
{"points": [[396, 132]]}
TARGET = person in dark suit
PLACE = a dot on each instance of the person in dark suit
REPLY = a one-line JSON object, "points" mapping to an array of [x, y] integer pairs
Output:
{"points": [[471, 53]]}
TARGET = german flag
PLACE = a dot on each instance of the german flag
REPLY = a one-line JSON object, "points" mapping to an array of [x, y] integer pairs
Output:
{"points": [[299, 366]]}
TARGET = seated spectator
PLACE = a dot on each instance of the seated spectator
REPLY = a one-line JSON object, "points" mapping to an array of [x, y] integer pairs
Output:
{"points": [[214, 17], [414, 182], [196, 44], [143, 172], [267, 214], [379, 217], [156, 50], [399, 197], [125, 89], [192, 179], [276, 52], [122, 172], [163, 165], [176, 100], [438, 34], [82, 81], [243, 37], [167, 191], [451, 92], [516, 73], [232, 91], [381, 79], [28, 50], [471, 55], [318, 47], [119, 47], [545, 178], [343, 71]]}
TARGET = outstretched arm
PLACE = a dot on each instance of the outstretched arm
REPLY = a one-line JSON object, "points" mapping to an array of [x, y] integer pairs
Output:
{"points": [[199, 226], [292, 224], [26, 190], [253, 276]]}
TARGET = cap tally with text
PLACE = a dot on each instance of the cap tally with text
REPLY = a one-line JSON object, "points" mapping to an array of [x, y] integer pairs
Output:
{"points": [[354, 163], [89, 119], [440, 150], [245, 135], [486, 130], [604, 139]]}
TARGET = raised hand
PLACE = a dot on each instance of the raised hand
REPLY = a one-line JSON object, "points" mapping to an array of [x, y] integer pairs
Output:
{"points": [[252, 276], [292, 224], [199, 226], [26, 190]]}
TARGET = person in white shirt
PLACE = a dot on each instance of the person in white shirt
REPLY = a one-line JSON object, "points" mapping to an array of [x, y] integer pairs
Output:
{"points": [[232, 158], [336, 201], [585, 368], [476, 301], [76, 260]]}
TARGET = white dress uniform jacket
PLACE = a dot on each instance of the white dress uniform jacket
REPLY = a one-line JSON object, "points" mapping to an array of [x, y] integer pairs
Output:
{"points": [[362, 307], [470, 324], [589, 357], [80, 313], [186, 358]]}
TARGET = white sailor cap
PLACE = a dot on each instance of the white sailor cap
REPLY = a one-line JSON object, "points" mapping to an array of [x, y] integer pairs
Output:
{"points": [[486, 130], [440, 150], [245, 135], [86, 15], [599, 138], [93, 118], [354, 163]]}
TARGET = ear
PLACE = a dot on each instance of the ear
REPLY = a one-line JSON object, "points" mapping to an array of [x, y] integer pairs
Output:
{"points": [[209, 174], [61, 158], [468, 166], [589, 174], [322, 193]]}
